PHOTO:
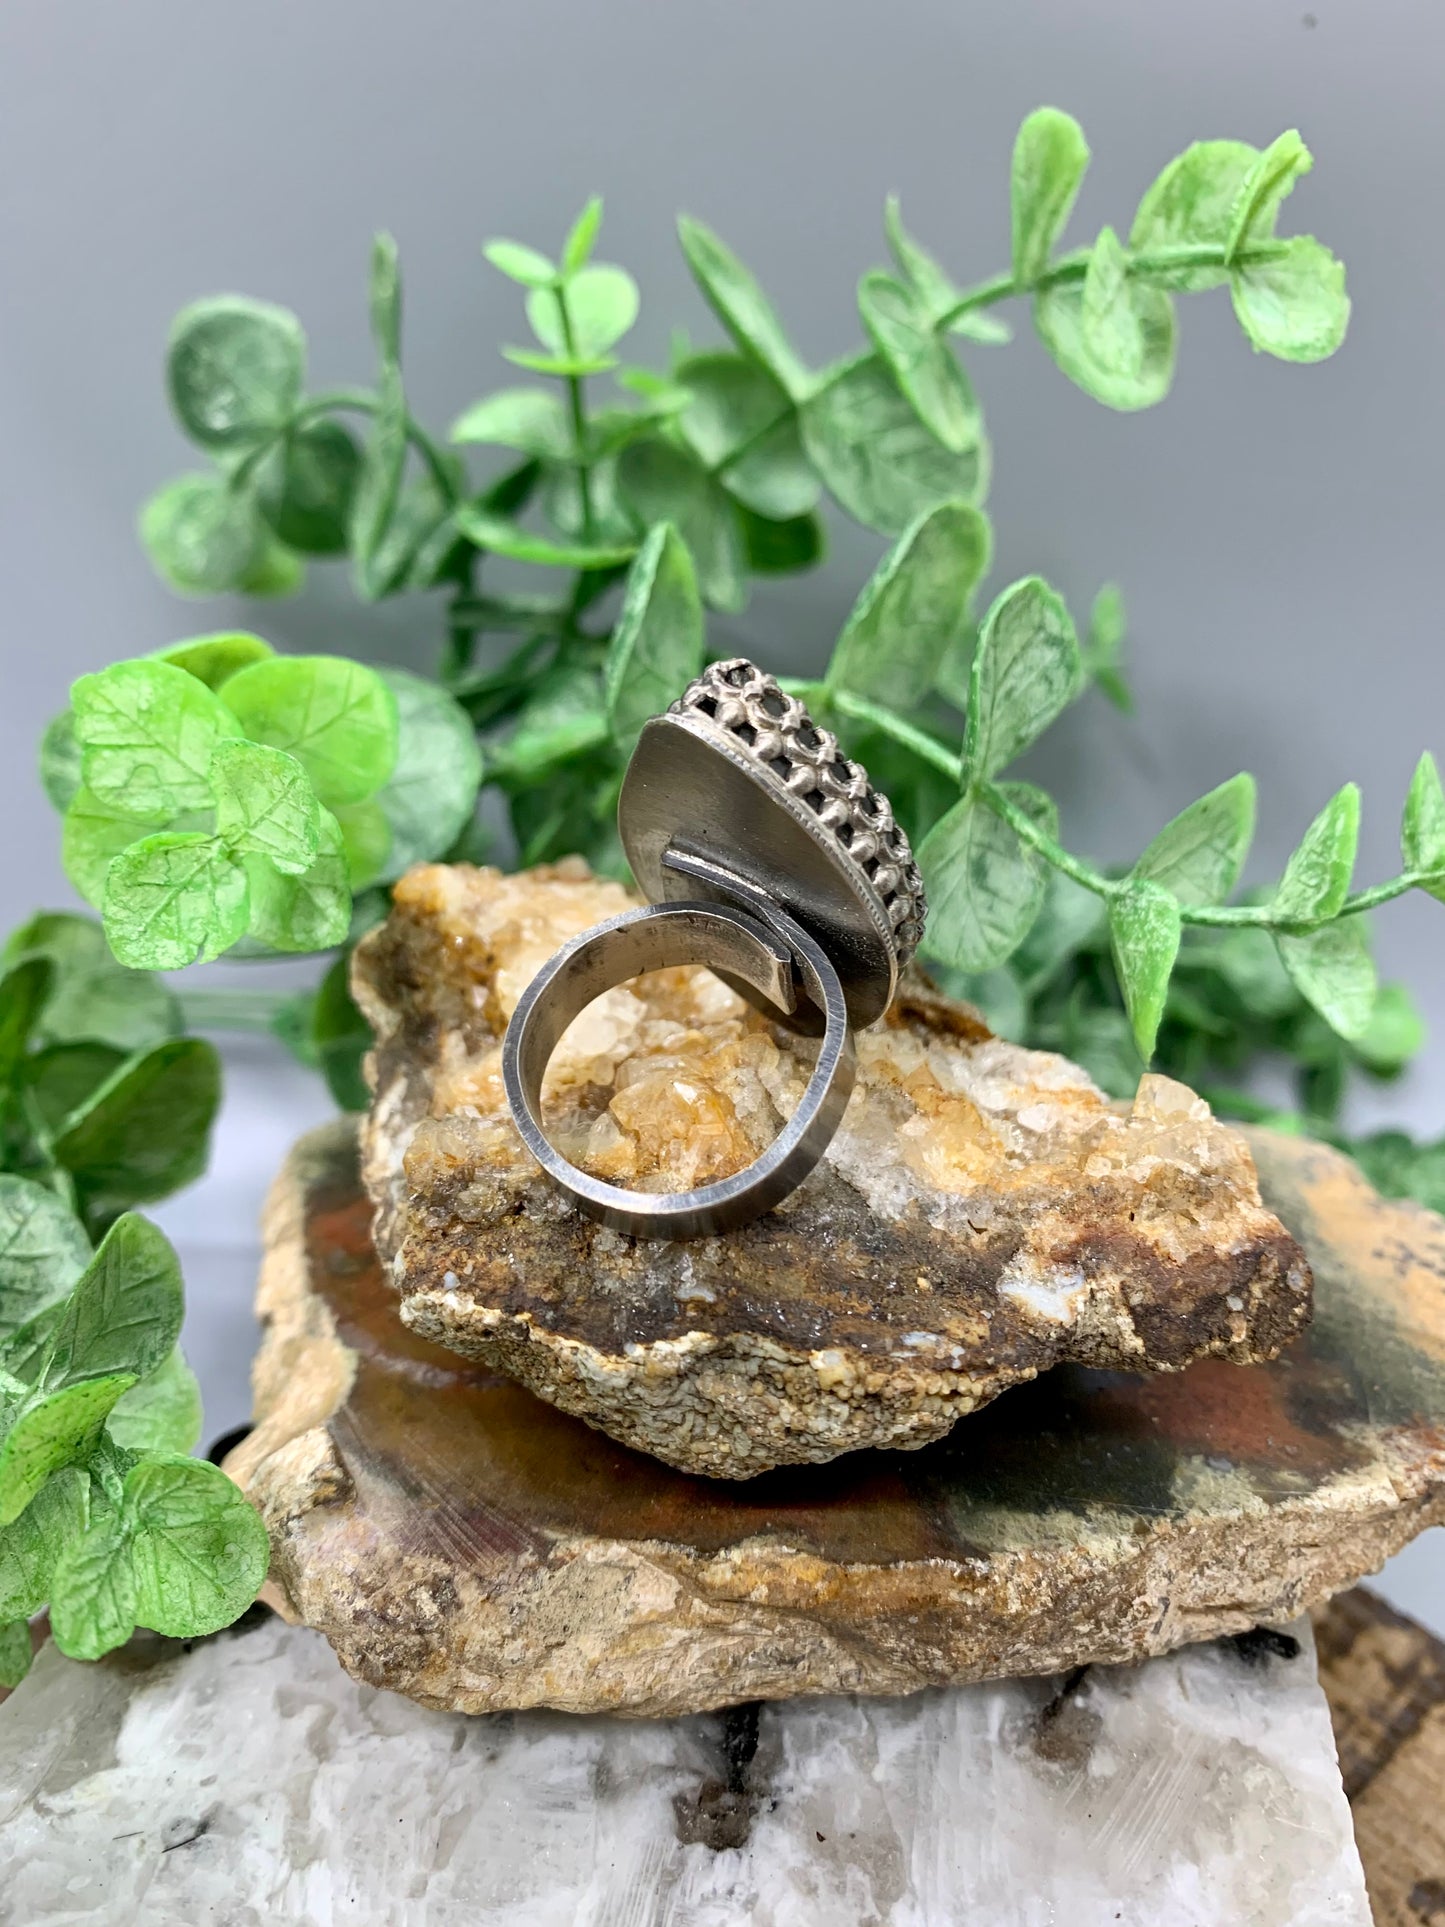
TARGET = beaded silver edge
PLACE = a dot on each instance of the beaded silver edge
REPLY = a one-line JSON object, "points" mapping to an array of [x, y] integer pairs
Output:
{"points": [[778, 735]]}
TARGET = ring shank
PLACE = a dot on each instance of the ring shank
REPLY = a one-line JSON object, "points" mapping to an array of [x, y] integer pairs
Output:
{"points": [[761, 948]]}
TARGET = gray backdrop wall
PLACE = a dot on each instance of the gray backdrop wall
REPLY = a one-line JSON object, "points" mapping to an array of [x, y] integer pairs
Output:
{"points": [[1276, 529]]}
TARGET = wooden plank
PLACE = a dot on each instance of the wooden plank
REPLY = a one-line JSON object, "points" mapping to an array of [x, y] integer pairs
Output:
{"points": [[1384, 1677]]}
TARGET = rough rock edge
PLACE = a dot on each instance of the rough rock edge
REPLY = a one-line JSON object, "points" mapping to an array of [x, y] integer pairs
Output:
{"points": [[765, 1403], [651, 1630]]}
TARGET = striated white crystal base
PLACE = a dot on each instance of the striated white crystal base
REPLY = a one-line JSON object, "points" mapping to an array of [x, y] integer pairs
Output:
{"points": [[250, 1782]]}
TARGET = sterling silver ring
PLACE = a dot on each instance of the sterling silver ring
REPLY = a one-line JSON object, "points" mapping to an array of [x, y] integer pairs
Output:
{"points": [[768, 856]]}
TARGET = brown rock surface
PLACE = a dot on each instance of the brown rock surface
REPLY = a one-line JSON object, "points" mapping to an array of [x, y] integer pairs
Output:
{"points": [[459, 1541], [983, 1213]]}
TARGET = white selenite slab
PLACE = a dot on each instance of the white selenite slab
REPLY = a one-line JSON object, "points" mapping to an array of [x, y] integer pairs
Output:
{"points": [[249, 1782]]}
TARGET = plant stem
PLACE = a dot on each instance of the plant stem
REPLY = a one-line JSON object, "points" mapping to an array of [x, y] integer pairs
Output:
{"points": [[930, 750], [249, 1010], [1149, 262], [361, 401], [577, 407]]}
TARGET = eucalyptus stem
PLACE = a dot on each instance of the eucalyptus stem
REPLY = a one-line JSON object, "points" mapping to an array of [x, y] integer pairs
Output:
{"points": [[577, 408], [1149, 262], [205, 1008], [360, 401], [1208, 916]]}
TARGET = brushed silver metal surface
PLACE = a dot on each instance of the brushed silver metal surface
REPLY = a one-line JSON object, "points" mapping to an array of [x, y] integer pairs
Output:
{"points": [[762, 953], [769, 857]]}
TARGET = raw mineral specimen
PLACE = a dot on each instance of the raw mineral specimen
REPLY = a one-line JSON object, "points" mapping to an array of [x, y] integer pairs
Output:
{"points": [[983, 1213], [461, 1542], [246, 1779]]}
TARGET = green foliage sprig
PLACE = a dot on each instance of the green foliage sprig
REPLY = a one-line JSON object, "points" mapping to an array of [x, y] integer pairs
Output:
{"points": [[103, 1516]]}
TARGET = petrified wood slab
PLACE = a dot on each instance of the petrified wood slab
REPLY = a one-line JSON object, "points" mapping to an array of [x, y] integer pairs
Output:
{"points": [[983, 1213], [460, 1541]]}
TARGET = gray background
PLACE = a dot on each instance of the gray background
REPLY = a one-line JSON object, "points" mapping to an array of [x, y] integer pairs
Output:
{"points": [[1275, 529]]}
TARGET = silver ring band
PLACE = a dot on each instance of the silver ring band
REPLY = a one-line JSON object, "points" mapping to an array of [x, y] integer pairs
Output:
{"points": [[763, 947]]}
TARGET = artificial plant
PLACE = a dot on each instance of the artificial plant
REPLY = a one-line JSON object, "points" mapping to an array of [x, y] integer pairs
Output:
{"points": [[220, 798]]}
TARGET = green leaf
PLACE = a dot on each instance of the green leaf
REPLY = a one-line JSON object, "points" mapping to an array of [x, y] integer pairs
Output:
{"points": [[378, 482], [1395, 1033], [529, 419], [43, 1250], [92, 996], [984, 887], [202, 537], [599, 304], [1191, 205], [147, 731], [936, 291], [741, 306], [365, 841], [564, 717], [93, 835], [1050, 155], [63, 1078], [420, 545], [564, 366], [162, 1413], [384, 300], [265, 805], [340, 1037], [50, 1430], [234, 370], [1026, 670], [922, 363], [14, 1652], [60, 760], [1198, 857], [1144, 928], [306, 487], [577, 248], [429, 797], [662, 482], [657, 644], [124, 1314], [743, 427], [24, 992], [520, 263], [1293, 304], [1333, 970], [915, 603], [337, 718], [1317, 877], [781, 548], [147, 1131], [175, 898], [1104, 647], [1422, 828], [213, 660], [505, 538], [32, 1544], [307, 912], [1112, 335], [1263, 189], [876, 457], [93, 1595], [275, 572], [198, 1550]]}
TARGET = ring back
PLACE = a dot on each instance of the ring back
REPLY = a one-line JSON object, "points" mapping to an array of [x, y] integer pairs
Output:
{"points": [[738, 775]]}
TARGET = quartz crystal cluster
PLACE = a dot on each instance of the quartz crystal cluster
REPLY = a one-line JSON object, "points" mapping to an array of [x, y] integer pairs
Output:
{"points": [[983, 1212]]}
